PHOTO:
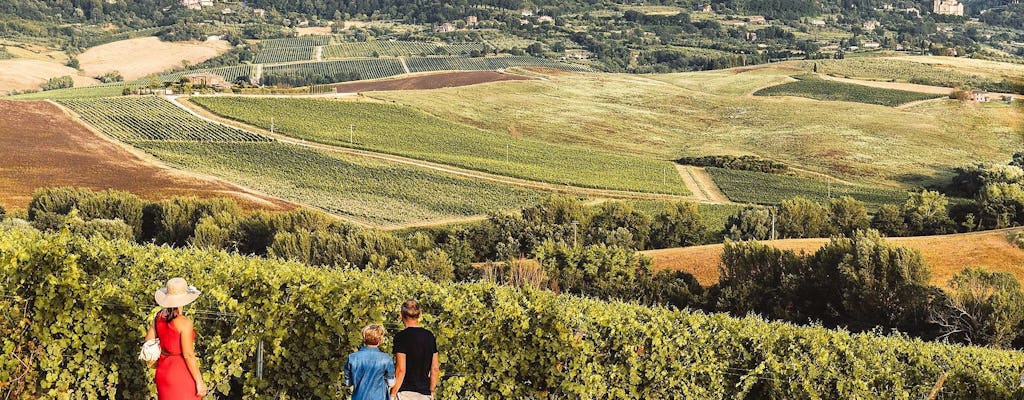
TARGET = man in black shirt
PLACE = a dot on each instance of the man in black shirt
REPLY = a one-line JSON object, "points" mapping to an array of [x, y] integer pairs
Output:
{"points": [[416, 365]]}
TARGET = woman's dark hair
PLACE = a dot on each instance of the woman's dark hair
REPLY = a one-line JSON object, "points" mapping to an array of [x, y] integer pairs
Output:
{"points": [[169, 314]]}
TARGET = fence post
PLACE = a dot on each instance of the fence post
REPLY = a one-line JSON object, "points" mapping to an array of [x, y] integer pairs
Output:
{"points": [[938, 386]]}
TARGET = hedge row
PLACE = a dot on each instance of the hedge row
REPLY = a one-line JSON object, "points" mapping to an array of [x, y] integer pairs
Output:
{"points": [[73, 312]]}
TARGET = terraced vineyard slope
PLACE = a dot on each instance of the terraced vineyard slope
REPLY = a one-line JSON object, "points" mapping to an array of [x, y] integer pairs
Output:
{"points": [[764, 188], [407, 132], [149, 118], [366, 191]]}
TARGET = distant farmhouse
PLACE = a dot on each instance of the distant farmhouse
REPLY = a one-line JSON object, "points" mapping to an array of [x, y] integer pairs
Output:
{"points": [[948, 7], [208, 80], [196, 4], [978, 95], [446, 27]]}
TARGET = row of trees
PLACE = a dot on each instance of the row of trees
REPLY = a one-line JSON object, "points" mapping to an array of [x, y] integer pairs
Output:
{"points": [[863, 283]]}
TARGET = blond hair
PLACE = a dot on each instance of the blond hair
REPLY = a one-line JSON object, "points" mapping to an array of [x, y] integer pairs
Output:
{"points": [[373, 334]]}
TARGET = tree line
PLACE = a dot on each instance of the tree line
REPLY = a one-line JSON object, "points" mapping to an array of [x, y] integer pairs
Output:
{"points": [[857, 281]]}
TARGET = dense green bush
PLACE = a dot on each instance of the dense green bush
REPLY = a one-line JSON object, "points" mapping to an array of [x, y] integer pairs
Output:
{"points": [[743, 163], [78, 309]]}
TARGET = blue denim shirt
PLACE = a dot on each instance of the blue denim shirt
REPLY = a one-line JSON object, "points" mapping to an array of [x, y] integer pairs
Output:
{"points": [[371, 373]]}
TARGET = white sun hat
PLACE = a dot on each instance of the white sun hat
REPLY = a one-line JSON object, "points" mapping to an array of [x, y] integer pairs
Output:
{"points": [[177, 293]]}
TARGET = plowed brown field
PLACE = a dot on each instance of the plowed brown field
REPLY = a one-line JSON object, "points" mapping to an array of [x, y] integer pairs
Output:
{"points": [[432, 81], [946, 255], [45, 147]]}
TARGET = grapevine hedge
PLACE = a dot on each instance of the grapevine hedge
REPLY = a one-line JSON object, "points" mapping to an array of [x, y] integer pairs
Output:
{"points": [[80, 308]]}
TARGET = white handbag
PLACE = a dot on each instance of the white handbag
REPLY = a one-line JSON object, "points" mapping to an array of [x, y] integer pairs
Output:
{"points": [[150, 350]]}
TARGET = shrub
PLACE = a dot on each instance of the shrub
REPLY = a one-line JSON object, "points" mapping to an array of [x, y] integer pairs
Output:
{"points": [[743, 163]]}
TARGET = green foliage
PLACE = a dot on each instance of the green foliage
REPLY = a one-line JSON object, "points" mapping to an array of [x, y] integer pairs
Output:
{"points": [[408, 132], [750, 223], [109, 229], [821, 89], [1017, 238], [743, 163], [761, 188], [847, 215], [4, 55], [889, 221], [802, 218], [860, 282], [927, 213], [606, 272], [48, 206], [61, 82], [138, 119], [982, 308], [679, 224], [98, 295]]}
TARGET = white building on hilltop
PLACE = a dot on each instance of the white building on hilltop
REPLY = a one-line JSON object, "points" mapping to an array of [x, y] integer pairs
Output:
{"points": [[948, 7]]}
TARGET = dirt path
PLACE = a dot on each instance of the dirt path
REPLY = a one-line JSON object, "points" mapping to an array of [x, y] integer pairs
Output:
{"points": [[202, 113], [405, 67], [319, 53], [701, 184]]}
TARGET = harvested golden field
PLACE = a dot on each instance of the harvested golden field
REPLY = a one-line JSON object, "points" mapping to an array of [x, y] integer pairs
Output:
{"points": [[140, 57], [945, 254], [22, 74], [44, 147]]}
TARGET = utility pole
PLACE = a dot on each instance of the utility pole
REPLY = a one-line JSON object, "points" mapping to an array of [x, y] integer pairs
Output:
{"points": [[772, 211]]}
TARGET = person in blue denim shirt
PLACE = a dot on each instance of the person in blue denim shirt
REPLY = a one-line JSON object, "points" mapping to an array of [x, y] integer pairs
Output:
{"points": [[369, 371]]}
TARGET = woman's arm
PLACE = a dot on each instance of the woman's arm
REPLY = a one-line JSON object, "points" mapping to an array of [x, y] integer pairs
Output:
{"points": [[151, 333], [188, 350]]}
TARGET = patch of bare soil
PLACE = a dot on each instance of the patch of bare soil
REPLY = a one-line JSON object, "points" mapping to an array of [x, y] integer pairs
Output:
{"points": [[45, 147], [432, 81]]}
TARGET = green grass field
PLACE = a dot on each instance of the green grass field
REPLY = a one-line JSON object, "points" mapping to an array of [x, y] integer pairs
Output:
{"points": [[813, 87], [372, 192], [407, 132], [762, 188], [668, 116], [934, 71]]}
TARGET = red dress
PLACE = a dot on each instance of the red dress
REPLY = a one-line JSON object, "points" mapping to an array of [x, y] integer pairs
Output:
{"points": [[173, 381]]}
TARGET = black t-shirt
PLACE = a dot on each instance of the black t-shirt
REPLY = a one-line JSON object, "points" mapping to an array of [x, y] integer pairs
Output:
{"points": [[419, 346]]}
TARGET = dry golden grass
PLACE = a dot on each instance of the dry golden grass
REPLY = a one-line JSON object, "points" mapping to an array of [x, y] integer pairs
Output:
{"points": [[140, 57], [704, 113], [22, 74], [946, 255]]}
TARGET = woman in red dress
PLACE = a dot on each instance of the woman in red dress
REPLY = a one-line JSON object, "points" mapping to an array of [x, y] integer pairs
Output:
{"points": [[177, 370]]}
